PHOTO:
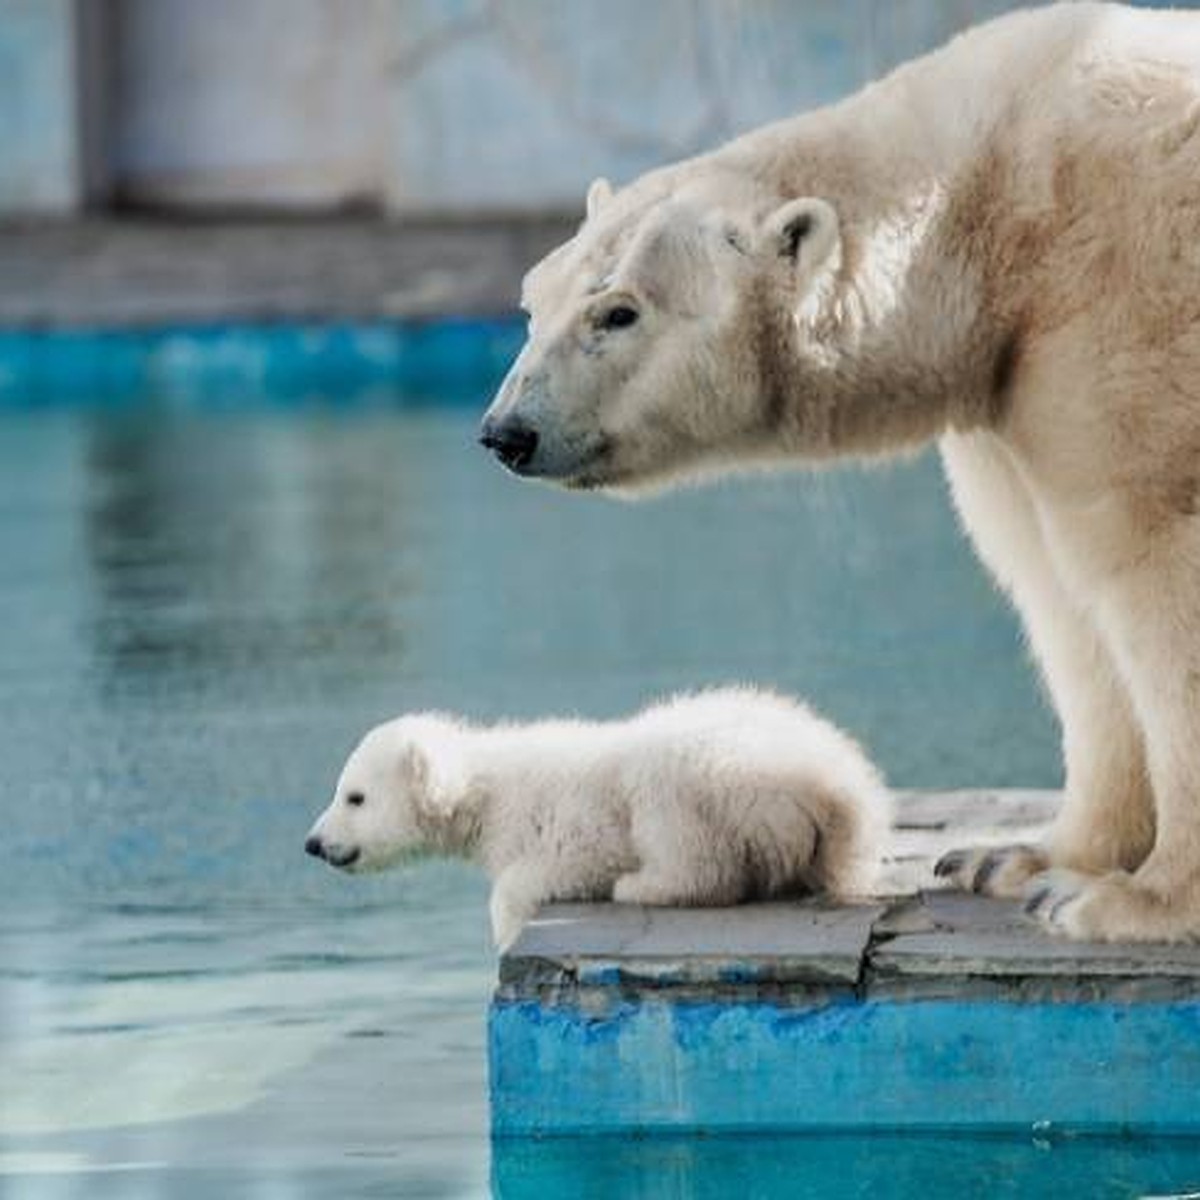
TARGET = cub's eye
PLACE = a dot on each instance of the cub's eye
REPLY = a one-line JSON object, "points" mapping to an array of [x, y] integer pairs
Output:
{"points": [[620, 316], [355, 799]]}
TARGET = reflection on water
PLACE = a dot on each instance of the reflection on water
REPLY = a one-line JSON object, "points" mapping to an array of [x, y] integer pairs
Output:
{"points": [[850, 1168], [148, 1048], [201, 612], [242, 546], [198, 615]]}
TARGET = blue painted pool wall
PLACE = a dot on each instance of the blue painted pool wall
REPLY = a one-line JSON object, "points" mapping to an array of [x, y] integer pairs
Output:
{"points": [[986, 1066], [228, 364]]}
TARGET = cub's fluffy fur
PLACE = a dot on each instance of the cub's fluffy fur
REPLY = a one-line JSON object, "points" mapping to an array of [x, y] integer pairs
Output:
{"points": [[707, 799]]}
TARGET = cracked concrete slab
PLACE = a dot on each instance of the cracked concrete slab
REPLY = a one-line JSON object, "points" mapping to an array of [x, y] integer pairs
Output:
{"points": [[755, 944], [956, 937], [924, 940]]}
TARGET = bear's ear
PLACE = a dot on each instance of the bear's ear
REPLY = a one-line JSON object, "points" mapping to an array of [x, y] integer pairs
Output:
{"points": [[805, 231], [598, 195]]}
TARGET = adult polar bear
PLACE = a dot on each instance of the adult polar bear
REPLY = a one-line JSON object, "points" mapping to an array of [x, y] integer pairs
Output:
{"points": [[998, 246]]}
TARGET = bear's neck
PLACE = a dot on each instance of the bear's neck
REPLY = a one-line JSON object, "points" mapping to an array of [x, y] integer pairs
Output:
{"points": [[904, 340], [902, 347]]}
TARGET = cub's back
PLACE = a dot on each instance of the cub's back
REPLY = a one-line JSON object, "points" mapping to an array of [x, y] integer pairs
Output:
{"points": [[747, 730]]}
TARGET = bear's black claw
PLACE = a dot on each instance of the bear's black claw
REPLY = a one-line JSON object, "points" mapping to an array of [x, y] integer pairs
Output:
{"points": [[950, 863], [987, 868]]}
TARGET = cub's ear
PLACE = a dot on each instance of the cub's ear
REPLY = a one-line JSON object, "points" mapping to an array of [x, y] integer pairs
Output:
{"points": [[598, 195], [804, 230], [414, 766]]}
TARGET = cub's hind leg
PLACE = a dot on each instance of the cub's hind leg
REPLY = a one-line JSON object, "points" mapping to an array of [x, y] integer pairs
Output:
{"points": [[755, 842]]}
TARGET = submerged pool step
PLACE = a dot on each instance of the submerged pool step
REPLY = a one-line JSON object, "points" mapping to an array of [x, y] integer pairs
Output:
{"points": [[935, 1011]]}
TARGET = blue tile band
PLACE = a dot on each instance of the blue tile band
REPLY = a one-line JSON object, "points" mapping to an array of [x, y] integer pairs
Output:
{"points": [[415, 361]]}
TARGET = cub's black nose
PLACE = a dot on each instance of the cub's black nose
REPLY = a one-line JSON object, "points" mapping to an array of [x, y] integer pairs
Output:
{"points": [[511, 442], [313, 846]]}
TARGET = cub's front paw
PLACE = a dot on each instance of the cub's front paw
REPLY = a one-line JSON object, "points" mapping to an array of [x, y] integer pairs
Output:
{"points": [[992, 870], [509, 914]]}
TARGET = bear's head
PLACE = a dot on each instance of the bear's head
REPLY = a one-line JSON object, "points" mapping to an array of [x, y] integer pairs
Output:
{"points": [[663, 336], [382, 808]]}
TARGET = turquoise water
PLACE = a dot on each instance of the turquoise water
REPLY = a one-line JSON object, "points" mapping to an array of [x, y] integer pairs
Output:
{"points": [[199, 612]]}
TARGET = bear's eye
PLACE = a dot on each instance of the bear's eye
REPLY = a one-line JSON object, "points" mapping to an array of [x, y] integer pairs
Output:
{"points": [[355, 799], [620, 316]]}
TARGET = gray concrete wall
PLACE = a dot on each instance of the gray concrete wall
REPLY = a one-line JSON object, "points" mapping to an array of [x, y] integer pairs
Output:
{"points": [[469, 105], [40, 121], [522, 103], [260, 102], [419, 106]]}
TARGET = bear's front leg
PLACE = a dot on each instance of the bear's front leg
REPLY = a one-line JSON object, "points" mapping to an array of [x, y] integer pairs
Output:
{"points": [[1151, 612], [1107, 817], [522, 887], [1118, 907]]}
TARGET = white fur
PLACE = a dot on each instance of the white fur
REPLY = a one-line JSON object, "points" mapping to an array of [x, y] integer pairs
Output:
{"points": [[708, 799], [1015, 272]]}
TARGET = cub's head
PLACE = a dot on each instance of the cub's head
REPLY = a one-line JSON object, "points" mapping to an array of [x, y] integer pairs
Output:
{"points": [[380, 813], [661, 334]]}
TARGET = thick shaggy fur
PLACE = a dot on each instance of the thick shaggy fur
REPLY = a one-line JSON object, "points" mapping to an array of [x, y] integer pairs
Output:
{"points": [[708, 799], [996, 247]]}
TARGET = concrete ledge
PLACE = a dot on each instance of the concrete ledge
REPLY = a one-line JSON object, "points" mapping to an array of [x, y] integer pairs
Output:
{"points": [[933, 1011], [581, 946], [138, 273]]}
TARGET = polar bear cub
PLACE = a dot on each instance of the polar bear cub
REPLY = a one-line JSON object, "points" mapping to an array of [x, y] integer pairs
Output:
{"points": [[710, 798]]}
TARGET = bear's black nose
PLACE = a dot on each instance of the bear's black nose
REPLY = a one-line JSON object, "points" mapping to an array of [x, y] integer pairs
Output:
{"points": [[512, 442], [313, 846]]}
